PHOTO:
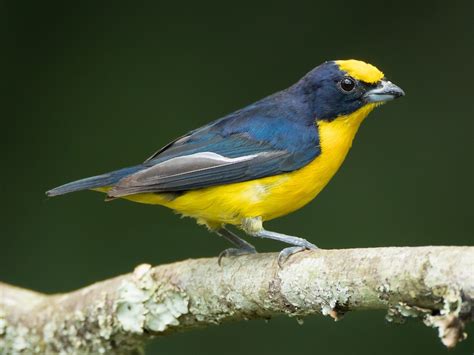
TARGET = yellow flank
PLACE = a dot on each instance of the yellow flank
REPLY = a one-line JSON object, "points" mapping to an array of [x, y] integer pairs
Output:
{"points": [[360, 70], [273, 196]]}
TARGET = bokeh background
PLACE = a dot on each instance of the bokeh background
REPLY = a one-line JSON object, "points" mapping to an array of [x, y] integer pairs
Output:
{"points": [[95, 86]]}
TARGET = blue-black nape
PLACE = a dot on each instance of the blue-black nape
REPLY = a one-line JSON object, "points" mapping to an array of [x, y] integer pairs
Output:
{"points": [[324, 94]]}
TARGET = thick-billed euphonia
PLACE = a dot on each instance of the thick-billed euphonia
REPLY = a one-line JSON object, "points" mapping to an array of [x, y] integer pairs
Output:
{"points": [[260, 162]]}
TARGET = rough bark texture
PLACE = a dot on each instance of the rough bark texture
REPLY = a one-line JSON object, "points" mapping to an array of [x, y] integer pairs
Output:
{"points": [[434, 284]]}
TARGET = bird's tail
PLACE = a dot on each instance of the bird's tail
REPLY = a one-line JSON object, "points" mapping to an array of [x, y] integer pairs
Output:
{"points": [[94, 182]]}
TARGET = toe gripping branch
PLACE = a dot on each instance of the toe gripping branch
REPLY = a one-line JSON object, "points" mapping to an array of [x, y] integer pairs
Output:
{"points": [[254, 227]]}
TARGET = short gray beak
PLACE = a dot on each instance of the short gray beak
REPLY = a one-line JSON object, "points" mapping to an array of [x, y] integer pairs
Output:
{"points": [[385, 91]]}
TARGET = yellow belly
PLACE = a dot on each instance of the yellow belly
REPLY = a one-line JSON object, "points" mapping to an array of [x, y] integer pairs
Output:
{"points": [[273, 196]]}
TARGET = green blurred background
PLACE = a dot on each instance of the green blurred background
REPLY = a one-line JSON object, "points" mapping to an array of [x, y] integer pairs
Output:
{"points": [[95, 86]]}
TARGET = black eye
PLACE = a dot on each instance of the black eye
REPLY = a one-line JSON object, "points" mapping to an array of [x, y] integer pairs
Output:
{"points": [[347, 84]]}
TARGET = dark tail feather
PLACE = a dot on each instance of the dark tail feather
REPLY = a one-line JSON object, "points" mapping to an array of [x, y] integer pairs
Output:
{"points": [[94, 181]]}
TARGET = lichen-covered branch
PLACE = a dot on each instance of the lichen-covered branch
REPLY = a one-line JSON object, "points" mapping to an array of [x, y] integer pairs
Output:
{"points": [[434, 284]]}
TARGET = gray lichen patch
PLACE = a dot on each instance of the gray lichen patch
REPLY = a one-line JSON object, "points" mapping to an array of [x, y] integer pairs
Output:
{"points": [[307, 290], [399, 312], [167, 313], [3, 322], [143, 304], [139, 304], [3, 330], [18, 340], [450, 320], [130, 308], [384, 292]]}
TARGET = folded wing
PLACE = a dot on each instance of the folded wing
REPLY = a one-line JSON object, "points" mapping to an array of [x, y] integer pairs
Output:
{"points": [[240, 147]]}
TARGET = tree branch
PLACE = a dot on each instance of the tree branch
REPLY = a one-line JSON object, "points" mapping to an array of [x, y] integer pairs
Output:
{"points": [[435, 284]]}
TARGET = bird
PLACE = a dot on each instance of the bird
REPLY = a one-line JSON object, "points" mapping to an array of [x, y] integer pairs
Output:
{"points": [[260, 162]]}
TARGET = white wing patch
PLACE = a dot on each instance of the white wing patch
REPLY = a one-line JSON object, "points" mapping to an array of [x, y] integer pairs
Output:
{"points": [[208, 157]]}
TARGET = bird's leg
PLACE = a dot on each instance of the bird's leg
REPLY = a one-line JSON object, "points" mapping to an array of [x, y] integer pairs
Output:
{"points": [[254, 227], [242, 247]]}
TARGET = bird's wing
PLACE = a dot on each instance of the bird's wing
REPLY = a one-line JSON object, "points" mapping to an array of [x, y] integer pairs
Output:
{"points": [[223, 153]]}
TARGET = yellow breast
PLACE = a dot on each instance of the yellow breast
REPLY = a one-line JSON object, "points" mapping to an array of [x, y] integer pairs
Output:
{"points": [[272, 196]]}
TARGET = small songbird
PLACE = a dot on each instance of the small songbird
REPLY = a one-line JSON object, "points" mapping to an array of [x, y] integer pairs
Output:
{"points": [[260, 162]]}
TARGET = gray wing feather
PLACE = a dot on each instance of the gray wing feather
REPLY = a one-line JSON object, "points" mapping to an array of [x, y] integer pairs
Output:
{"points": [[193, 171]]}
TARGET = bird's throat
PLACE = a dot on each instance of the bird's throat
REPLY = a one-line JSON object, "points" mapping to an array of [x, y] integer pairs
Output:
{"points": [[336, 136]]}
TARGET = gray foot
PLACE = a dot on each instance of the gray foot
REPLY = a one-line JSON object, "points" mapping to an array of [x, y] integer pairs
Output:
{"points": [[299, 244], [234, 252], [286, 253], [243, 247]]}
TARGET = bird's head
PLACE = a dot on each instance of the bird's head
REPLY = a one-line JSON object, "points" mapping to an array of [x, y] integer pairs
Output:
{"points": [[340, 88]]}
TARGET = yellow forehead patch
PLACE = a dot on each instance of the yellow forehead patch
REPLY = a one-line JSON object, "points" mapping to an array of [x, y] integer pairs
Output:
{"points": [[360, 70]]}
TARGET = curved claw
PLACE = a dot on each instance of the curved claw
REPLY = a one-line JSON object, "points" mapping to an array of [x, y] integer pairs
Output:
{"points": [[235, 252], [287, 252]]}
